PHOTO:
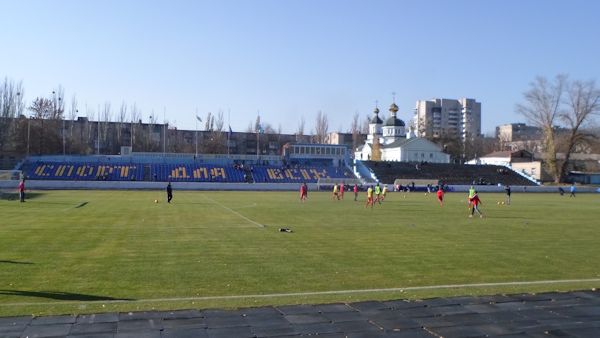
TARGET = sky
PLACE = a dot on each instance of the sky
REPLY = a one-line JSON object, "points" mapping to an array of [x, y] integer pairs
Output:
{"points": [[288, 59]]}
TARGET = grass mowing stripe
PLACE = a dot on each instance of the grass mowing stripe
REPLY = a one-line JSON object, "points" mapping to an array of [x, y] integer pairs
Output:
{"points": [[318, 293]]}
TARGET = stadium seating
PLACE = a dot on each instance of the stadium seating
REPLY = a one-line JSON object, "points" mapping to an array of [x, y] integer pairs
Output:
{"points": [[182, 172], [272, 174], [460, 174]]}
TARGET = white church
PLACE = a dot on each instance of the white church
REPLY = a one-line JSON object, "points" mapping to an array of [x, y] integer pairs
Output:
{"points": [[389, 142]]}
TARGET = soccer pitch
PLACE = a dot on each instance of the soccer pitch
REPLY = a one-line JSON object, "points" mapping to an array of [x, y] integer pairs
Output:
{"points": [[93, 251]]}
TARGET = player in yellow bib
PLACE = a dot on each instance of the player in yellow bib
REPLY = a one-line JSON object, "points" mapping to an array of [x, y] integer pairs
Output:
{"points": [[335, 192], [471, 194], [377, 193], [369, 197]]}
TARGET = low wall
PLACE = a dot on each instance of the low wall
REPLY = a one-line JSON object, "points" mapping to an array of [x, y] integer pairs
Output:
{"points": [[521, 189], [126, 185]]}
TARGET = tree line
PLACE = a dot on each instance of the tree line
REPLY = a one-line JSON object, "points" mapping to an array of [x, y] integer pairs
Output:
{"points": [[562, 108]]}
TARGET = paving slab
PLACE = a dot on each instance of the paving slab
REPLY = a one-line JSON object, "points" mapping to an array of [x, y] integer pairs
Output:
{"points": [[98, 318], [307, 319], [138, 325], [328, 308], [197, 322], [414, 333], [274, 331], [14, 321], [229, 332], [140, 315], [184, 333], [138, 334], [458, 331], [297, 309], [53, 320], [93, 335], [80, 329], [337, 317], [182, 314], [51, 330], [553, 314], [225, 321]]}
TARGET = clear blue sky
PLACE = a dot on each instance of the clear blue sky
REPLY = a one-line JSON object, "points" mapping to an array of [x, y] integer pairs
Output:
{"points": [[292, 58]]}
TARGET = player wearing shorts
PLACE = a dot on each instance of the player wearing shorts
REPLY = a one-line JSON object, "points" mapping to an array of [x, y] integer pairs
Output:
{"points": [[303, 192], [335, 194], [369, 197], [383, 192], [342, 191], [355, 192], [471, 194], [377, 193], [440, 196], [475, 201]]}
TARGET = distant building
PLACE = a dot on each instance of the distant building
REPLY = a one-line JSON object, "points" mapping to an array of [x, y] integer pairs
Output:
{"points": [[448, 118], [388, 141], [517, 132]]}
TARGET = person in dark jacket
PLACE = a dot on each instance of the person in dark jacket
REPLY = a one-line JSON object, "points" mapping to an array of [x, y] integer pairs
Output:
{"points": [[169, 192]]}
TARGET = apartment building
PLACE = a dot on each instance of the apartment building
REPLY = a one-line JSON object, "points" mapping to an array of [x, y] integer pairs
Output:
{"points": [[448, 118]]}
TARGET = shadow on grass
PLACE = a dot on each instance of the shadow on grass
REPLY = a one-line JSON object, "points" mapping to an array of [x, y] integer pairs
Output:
{"points": [[58, 295], [14, 262]]}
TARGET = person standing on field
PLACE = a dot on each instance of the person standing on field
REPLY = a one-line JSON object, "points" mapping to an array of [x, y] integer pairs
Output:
{"points": [[169, 192], [369, 197], [507, 189], [475, 201], [572, 190], [355, 192], [342, 191], [440, 196], [22, 191], [335, 194], [377, 193], [303, 192]]}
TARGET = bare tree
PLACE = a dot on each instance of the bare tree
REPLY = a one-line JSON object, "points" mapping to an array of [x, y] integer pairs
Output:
{"points": [[542, 108], [135, 122], [43, 130], [216, 143], [41, 108], [209, 123], [583, 102], [219, 122], [321, 127], [11, 106], [301, 126], [364, 127], [355, 130], [122, 117]]}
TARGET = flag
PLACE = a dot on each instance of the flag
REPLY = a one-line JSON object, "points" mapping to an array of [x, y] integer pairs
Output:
{"points": [[198, 118], [230, 131]]}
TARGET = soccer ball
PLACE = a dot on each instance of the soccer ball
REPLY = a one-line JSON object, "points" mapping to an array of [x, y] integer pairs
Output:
{"points": [[502, 203], [498, 203], [155, 201]]}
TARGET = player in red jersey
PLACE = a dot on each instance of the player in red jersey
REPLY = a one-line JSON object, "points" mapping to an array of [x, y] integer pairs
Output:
{"points": [[303, 192], [440, 196]]}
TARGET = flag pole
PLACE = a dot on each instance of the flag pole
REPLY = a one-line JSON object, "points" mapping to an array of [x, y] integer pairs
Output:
{"points": [[196, 119], [229, 131]]}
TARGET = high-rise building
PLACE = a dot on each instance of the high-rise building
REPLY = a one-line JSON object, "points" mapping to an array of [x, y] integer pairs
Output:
{"points": [[441, 118]]}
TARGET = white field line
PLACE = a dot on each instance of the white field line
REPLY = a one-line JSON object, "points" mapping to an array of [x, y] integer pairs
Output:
{"points": [[315, 293], [234, 212]]}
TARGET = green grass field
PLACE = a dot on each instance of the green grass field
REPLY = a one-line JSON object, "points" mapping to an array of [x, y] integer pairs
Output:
{"points": [[122, 252]]}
